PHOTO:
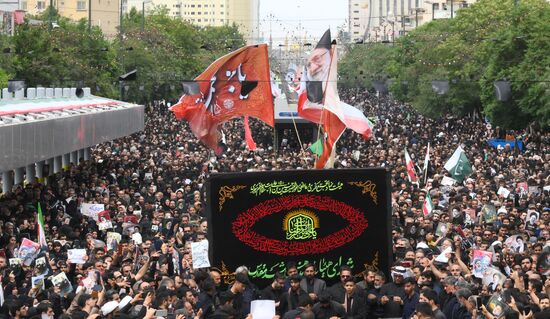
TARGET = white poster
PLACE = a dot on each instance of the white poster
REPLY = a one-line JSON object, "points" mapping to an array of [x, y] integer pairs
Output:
{"points": [[199, 253], [91, 210], [447, 181], [503, 192], [262, 309], [76, 256]]}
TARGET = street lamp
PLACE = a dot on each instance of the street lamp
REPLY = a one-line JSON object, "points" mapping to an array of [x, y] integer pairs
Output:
{"points": [[143, 12]]}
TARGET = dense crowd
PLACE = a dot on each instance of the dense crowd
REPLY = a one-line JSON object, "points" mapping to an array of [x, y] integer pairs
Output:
{"points": [[152, 186]]}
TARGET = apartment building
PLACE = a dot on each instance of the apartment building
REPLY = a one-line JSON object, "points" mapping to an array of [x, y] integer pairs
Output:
{"points": [[385, 20]]}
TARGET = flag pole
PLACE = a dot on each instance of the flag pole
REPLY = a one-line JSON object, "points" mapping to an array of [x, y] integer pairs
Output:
{"points": [[426, 164]]}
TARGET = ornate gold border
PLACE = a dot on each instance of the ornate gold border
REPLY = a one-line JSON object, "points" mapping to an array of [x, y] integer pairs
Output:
{"points": [[226, 192], [367, 187], [227, 276]]}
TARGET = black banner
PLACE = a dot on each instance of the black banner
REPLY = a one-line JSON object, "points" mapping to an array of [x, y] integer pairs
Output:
{"points": [[327, 217]]}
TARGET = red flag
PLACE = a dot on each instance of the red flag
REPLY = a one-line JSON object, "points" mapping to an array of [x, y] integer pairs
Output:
{"points": [[248, 135], [237, 84]]}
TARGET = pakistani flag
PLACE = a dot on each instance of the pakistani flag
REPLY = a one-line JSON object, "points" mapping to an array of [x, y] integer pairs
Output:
{"points": [[317, 147], [428, 206], [458, 165]]}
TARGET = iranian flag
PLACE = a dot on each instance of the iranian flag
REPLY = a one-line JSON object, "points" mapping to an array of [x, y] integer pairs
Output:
{"points": [[410, 168], [458, 165], [41, 235], [428, 206]]}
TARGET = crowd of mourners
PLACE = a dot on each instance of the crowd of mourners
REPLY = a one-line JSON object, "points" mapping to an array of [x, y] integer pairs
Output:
{"points": [[152, 186]]}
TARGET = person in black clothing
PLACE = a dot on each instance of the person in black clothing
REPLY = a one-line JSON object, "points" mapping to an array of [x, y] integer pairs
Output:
{"points": [[337, 290], [304, 306], [290, 299], [390, 292], [237, 290], [354, 301], [451, 301], [327, 308], [374, 308], [275, 290], [208, 299]]}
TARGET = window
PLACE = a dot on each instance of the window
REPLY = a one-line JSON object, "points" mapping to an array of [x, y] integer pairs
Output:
{"points": [[199, 6], [193, 13], [436, 6], [24, 5], [198, 20], [192, 6], [356, 11], [41, 5], [199, 13], [356, 32]]}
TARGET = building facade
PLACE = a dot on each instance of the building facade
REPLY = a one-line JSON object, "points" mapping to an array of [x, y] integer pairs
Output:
{"points": [[385, 20], [104, 13], [244, 13]]}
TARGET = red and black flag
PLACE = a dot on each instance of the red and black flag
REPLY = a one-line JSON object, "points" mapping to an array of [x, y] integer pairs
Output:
{"points": [[237, 84]]}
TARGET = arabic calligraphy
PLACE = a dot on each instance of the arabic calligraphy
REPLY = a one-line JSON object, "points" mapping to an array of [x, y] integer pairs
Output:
{"points": [[368, 188], [242, 226], [280, 187], [300, 225], [226, 192], [327, 268]]}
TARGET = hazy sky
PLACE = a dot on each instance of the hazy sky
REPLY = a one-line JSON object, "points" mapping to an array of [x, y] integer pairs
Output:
{"points": [[299, 17]]}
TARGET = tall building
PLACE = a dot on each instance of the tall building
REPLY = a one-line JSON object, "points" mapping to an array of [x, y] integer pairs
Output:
{"points": [[104, 13], [385, 20], [244, 13]]}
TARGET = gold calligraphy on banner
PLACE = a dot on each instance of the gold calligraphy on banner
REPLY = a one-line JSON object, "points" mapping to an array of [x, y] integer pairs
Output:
{"points": [[226, 192], [300, 225], [368, 187], [281, 188]]}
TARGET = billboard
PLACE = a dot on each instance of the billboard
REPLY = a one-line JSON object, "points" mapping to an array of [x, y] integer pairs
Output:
{"points": [[328, 217]]}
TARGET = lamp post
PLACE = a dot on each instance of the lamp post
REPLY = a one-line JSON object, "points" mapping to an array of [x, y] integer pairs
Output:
{"points": [[143, 14], [376, 29]]}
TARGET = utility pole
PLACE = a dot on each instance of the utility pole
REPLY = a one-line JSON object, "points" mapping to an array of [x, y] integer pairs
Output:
{"points": [[452, 9], [51, 14], [121, 40], [416, 11], [143, 16], [270, 33], [402, 17], [89, 15]]}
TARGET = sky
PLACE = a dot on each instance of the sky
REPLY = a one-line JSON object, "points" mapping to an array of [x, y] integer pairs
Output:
{"points": [[301, 17]]}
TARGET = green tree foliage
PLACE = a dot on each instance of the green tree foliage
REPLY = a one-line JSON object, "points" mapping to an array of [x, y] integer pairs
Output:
{"points": [[165, 53], [489, 41], [364, 63]]}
